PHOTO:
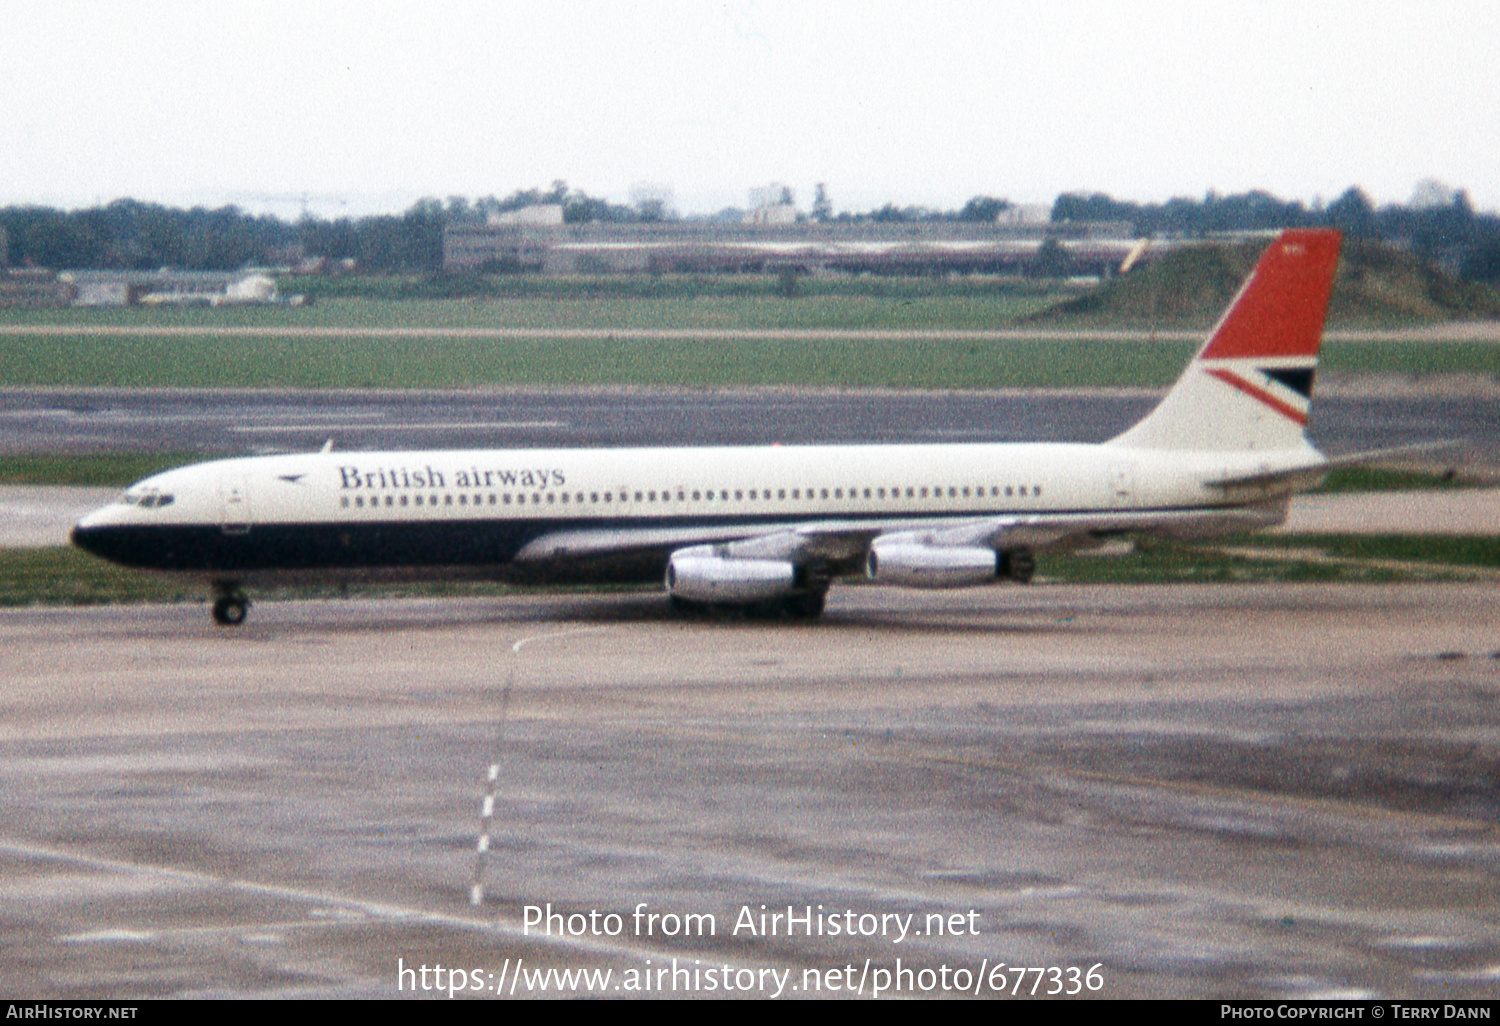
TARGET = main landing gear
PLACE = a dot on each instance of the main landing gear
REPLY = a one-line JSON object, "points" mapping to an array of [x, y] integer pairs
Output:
{"points": [[230, 606], [1018, 564]]}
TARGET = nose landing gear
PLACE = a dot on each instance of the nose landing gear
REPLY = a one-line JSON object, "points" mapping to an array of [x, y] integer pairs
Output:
{"points": [[230, 606]]}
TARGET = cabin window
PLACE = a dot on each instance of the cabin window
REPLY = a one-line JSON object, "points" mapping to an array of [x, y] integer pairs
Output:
{"points": [[345, 501]]}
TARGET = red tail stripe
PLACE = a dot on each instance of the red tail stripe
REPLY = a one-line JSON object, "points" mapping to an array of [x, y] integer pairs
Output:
{"points": [[1256, 392], [1280, 312]]}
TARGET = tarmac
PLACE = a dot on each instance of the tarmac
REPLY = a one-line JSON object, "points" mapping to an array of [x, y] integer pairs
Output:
{"points": [[1279, 791]]}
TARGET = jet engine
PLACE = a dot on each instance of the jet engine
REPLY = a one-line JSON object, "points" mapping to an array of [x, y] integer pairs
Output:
{"points": [[931, 566], [701, 574]]}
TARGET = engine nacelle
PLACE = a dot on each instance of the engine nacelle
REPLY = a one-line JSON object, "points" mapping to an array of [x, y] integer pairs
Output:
{"points": [[932, 566], [700, 574]]}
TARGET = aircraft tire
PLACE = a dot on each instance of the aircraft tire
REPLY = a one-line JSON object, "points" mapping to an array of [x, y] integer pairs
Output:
{"points": [[230, 610], [806, 606], [1020, 565]]}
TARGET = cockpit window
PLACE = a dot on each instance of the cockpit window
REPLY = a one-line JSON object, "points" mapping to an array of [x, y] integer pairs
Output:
{"points": [[149, 499]]}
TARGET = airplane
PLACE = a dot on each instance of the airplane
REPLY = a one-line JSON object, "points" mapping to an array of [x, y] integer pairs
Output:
{"points": [[768, 527]]}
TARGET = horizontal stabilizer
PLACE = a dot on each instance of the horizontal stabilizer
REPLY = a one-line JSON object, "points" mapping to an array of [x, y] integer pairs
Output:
{"points": [[1298, 478]]}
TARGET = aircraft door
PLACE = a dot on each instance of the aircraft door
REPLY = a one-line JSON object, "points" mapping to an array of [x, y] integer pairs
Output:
{"points": [[234, 505]]}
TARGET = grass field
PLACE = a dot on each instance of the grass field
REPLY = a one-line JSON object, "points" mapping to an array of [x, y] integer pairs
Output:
{"points": [[182, 356], [194, 361], [104, 470], [461, 362], [900, 310]]}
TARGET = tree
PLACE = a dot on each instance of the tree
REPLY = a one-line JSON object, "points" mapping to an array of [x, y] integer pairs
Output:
{"points": [[1352, 214], [822, 208], [983, 208]]}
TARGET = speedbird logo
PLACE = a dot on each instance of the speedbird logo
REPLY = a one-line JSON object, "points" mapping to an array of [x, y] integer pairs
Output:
{"points": [[1296, 380]]}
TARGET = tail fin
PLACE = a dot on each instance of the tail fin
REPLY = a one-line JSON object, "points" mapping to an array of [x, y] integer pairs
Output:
{"points": [[1250, 386]]}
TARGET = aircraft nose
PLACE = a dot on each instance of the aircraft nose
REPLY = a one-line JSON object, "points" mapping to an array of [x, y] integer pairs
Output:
{"points": [[80, 536], [86, 534]]}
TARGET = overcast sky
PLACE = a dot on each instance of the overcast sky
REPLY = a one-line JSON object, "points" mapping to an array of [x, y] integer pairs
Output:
{"points": [[366, 106]]}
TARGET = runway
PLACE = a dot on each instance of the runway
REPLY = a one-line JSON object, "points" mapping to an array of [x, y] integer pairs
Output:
{"points": [[1361, 416], [1278, 791]]}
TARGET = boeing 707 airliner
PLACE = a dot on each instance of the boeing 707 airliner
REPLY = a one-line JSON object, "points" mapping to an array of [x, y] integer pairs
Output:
{"points": [[769, 527]]}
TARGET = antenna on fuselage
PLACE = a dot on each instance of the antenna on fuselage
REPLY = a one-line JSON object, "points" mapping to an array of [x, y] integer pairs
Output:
{"points": [[327, 446]]}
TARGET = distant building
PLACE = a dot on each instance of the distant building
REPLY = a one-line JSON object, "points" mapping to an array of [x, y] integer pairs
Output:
{"points": [[170, 288], [32, 287], [1025, 214], [774, 213], [772, 204], [535, 214], [772, 195]]}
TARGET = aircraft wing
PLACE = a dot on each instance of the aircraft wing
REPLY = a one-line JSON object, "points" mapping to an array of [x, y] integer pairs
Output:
{"points": [[833, 541], [844, 544]]}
